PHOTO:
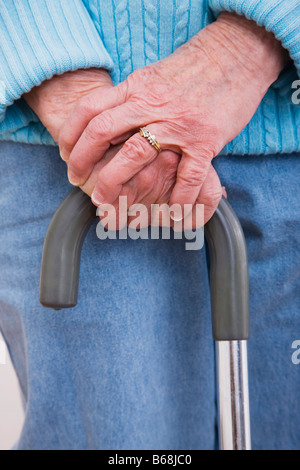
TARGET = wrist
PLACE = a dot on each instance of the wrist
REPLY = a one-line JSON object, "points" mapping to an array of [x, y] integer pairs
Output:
{"points": [[260, 55], [54, 99]]}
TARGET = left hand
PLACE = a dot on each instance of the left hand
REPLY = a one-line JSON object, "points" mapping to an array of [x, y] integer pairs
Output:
{"points": [[153, 185], [195, 102], [54, 99]]}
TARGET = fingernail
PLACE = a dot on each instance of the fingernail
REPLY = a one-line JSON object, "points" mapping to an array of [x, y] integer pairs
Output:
{"points": [[63, 154], [74, 180], [224, 192], [177, 215], [176, 219], [97, 199]]}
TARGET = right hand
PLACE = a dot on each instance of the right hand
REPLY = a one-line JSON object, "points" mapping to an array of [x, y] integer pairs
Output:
{"points": [[194, 101]]}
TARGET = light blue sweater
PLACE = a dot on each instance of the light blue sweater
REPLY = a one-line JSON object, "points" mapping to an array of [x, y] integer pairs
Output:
{"points": [[42, 38]]}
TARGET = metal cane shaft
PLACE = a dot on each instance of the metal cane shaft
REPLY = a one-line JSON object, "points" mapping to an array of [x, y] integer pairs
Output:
{"points": [[229, 284], [234, 414]]}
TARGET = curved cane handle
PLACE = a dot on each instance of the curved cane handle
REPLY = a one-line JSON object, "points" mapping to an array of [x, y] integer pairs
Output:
{"points": [[229, 279], [62, 251], [228, 273]]}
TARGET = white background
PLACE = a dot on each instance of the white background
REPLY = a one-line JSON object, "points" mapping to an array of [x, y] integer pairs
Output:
{"points": [[11, 411]]}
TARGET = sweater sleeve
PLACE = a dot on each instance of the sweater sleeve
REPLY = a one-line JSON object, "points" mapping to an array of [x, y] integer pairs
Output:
{"points": [[43, 38], [282, 17]]}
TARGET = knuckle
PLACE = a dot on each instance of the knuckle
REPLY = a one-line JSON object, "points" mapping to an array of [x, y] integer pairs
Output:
{"points": [[210, 150], [216, 197], [192, 176], [123, 90], [155, 92], [91, 134], [132, 148], [170, 159], [139, 75], [213, 197], [78, 165], [99, 127]]}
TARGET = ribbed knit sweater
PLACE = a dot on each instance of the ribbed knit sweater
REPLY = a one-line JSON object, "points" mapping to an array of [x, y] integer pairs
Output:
{"points": [[43, 38]]}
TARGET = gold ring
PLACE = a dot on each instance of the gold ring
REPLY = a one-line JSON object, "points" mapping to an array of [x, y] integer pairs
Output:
{"points": [[151, 138]]}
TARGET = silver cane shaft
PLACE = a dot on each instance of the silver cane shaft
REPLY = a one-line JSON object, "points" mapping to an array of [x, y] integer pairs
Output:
{"points": [[229, 286], [233, 399]]}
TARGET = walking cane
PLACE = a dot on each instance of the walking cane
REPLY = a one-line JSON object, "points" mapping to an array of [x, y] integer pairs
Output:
{"points": [[229, 286]]}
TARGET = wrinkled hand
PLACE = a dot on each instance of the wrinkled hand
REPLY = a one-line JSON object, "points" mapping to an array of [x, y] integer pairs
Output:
{"points": [[54, 100], [194, 102], [154, 185]]}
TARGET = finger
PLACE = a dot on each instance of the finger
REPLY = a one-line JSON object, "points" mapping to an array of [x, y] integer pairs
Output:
{"points": [[132, 202], [154, 183], [167, 163], [205, 206], [135, 154], [122, 204], [210, 194], [85, 110], [192, 172], [96, 139], [122, 138], [90, 184]]}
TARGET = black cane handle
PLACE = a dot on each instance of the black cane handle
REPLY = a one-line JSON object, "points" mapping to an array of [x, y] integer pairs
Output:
{"points": [[229, 279], [62, 251], [228, 272]]}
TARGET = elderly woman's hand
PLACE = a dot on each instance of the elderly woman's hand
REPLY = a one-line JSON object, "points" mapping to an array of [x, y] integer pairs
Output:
{"points": [[154, 185], [195, 101], [54, 99]]}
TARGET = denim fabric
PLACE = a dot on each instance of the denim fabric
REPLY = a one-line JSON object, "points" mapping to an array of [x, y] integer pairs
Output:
{"points": [[132, 366]]}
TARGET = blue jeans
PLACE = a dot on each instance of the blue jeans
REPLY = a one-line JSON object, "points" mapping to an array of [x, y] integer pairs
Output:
{"points": [[132, 366]]}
